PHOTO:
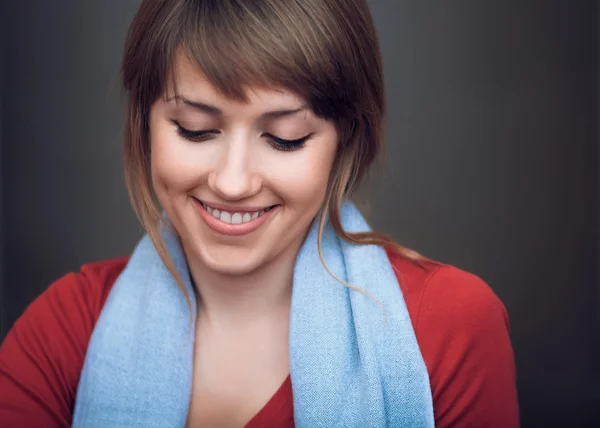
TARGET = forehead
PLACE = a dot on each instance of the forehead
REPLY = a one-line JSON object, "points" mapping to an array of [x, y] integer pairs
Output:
{"points": [[189, 81]]}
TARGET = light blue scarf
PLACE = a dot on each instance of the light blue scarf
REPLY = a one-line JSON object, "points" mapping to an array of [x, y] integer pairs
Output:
{"points": [[349, 366]]}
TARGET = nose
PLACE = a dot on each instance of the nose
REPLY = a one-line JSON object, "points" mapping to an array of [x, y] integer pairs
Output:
{"points": [[232, 177]]}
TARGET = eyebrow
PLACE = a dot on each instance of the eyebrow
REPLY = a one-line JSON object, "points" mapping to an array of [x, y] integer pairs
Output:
{"points": [[215, 111]]}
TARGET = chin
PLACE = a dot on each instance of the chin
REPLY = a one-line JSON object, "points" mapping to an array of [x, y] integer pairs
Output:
{"points": [[231, 261]]}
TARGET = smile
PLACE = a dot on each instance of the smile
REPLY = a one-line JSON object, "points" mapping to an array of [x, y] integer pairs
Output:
{"points": [[235, 217], [233, 221]]}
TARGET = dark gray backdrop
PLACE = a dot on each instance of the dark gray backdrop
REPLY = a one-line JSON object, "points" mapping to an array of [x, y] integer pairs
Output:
{"points": [[492, 163]]}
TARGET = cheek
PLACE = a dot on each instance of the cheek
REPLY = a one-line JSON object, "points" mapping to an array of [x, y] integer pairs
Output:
{"points": [[302, 180], [176, 165]]}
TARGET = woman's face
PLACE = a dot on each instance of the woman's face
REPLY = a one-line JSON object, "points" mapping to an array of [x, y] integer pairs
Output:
{"points": [[241, 182]]}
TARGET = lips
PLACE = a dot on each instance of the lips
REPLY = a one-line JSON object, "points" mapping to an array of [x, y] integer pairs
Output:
{"points": [[234, 221]]}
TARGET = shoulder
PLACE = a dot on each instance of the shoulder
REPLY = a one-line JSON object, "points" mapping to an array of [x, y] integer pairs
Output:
{"points": [[462, 329], [89, 287], [42, 355], [76, 297], [440, 293]]}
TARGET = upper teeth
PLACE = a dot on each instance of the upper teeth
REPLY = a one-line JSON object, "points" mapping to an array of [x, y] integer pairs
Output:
{"points": [[233, 218]]}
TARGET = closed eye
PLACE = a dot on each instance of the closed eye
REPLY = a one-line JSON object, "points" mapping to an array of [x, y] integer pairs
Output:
{"points": [[191, 135], [287, 145], [276, 142]]}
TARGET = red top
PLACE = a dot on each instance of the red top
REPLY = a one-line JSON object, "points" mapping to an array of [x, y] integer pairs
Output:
{"points": [[460, 324]]}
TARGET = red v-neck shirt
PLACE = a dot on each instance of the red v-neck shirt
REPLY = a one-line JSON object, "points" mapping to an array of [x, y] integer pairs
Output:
{"points": [[460, 325]]}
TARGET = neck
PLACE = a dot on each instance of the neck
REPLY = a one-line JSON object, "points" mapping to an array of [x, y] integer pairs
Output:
{"points": [[238, 299]]}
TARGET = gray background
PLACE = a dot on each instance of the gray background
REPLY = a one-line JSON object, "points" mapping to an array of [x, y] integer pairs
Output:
{"points": [[492, 163]]}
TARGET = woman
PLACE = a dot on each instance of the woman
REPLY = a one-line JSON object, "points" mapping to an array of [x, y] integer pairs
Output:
{"points": [[259, 296]]}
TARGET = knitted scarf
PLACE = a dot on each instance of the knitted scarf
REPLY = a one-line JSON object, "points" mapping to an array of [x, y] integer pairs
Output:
{"points": [[352, 362]]}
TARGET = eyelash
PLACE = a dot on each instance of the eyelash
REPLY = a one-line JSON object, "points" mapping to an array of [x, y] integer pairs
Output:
{"points": [[277, 143]]}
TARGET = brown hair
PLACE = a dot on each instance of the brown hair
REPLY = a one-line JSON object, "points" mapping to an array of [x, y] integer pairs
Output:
{"points": [[325, 51]]}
